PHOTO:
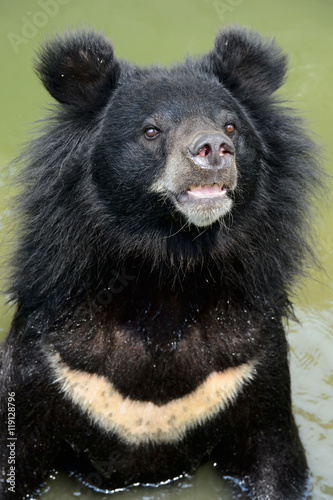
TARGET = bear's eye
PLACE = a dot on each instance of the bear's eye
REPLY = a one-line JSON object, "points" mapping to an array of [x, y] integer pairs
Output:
{"points": [[151, 133], [229, 128]]}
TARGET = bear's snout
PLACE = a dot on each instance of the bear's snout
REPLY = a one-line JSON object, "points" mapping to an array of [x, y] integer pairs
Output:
{"points": [[211, 151]]}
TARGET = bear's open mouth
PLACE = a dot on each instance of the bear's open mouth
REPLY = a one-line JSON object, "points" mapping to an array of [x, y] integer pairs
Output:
{"points": [[215, 190], [203, 204], [206, 194]]}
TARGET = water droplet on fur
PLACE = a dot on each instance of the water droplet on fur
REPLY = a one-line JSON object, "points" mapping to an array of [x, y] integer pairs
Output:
{"points": [[173, 346]]}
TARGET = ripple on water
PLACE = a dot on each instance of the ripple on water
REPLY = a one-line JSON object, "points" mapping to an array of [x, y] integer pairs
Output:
{"points": [[311, 344]]}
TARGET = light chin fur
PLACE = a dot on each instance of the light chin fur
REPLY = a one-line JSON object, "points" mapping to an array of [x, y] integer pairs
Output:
{"points": [[203, 217]]}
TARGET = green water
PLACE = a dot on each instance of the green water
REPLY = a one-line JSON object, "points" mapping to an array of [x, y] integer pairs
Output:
{"points": [[146, 31]]}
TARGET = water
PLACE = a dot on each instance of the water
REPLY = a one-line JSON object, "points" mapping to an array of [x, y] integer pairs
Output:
{"points": [[148, 31]]}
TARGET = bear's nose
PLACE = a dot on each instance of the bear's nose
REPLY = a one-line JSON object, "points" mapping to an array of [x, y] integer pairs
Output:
{"points": [[211, 151]]}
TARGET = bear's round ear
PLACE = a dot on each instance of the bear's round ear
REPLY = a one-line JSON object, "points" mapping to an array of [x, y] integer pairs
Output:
{"points": [[78, 69], [247, 64]]}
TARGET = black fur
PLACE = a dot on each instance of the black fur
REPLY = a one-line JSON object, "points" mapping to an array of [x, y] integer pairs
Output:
{"points": [[100, 252]]}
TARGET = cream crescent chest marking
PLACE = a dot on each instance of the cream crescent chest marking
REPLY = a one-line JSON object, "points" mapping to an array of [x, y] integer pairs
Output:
{"points": [[138, 422]]}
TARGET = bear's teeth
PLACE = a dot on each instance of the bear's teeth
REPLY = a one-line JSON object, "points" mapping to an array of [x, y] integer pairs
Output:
{"points": [[203, 187]]}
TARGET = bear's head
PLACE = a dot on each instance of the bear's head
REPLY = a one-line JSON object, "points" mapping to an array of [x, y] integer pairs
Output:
{"points": [[170, 140]]}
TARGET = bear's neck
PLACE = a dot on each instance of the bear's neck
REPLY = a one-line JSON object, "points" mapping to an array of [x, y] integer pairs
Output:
{"points": [[132, 288]]}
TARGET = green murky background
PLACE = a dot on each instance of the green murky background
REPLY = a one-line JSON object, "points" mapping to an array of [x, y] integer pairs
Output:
{"points": [[146, 31]]}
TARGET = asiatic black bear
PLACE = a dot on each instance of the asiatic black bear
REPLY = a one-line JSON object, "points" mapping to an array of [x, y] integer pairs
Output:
{"points": [[164, 220]]}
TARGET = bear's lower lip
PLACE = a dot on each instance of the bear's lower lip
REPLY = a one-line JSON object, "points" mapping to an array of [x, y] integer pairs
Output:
{"points": [[203, 192]]}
